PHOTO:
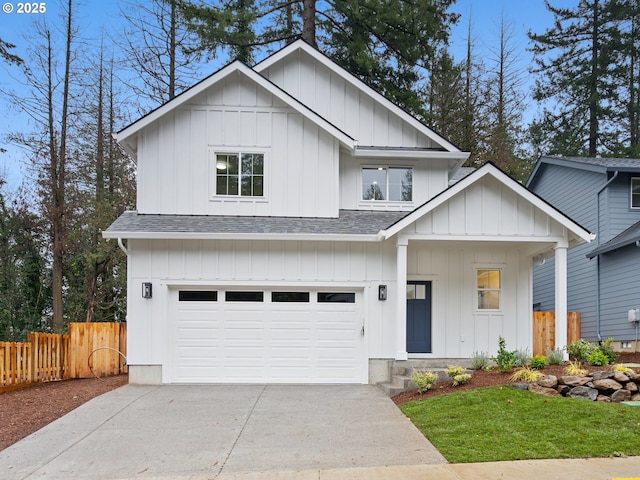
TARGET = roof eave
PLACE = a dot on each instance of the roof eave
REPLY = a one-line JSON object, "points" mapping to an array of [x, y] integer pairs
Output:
{"points": [[137, 235]]}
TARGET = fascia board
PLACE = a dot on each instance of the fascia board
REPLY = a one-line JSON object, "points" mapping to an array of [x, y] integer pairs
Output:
{"points": [[236, 236], [400, 153], [360, 85], [220, 75], [489, 169]]}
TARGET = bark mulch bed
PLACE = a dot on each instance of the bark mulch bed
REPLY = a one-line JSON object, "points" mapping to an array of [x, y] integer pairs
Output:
{"points": [[24, 411], [483, 378]]}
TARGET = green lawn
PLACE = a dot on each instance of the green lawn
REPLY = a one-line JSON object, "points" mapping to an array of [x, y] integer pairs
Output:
{"points": [[502, 423]]}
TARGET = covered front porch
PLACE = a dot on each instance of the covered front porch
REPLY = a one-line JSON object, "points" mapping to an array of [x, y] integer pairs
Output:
{"points": [[464, 265]]}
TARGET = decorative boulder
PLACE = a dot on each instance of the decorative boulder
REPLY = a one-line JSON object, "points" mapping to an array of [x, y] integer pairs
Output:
{"points": [[621, 396], [604, 399], [574, 380], [631, 386], [620, 377], [602, 375], [606, 384], [563, 390], [549, 392], [584, 393], [548, 381]]}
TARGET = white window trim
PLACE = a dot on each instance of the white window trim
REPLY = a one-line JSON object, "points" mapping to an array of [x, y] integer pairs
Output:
{"points": [[499, 268], [386, 202], [214, 151], [637, 179]]}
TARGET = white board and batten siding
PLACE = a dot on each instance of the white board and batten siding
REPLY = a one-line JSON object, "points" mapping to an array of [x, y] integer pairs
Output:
{"points": [[339, 101], [176, 156], [459, 329], [487, 208]]}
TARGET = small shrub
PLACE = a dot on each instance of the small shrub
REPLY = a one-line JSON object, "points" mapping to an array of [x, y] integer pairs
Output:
{"points": [[526, 375], [424, 380], [453, 370], [622, 368], [522, 358], [505, 359], [574, 368], [480, 361], [538, 362], [555, 357], [460, 379], [597, 358], [580, 350], [458, 374], [607, 349]]}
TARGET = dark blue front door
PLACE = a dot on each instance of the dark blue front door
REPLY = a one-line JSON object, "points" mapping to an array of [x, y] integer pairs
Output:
{"points": [[418, 317]]}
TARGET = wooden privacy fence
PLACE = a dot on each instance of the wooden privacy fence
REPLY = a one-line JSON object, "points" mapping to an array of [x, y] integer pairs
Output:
{"points": [[97, 348], [544, 330], [88, 349]]}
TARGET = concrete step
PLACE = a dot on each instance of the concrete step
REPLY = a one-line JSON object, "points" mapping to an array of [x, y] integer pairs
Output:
{"points": [[402, 376]]}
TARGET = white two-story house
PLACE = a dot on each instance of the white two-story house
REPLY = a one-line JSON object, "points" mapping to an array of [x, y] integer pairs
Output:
{"points": [[295, 226]]}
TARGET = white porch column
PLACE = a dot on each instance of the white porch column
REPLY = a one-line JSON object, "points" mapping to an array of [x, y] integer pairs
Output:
{"points": [[561, 294], [401, 299]]}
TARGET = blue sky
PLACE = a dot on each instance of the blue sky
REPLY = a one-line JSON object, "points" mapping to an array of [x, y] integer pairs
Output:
{"points": [[95, 17]]}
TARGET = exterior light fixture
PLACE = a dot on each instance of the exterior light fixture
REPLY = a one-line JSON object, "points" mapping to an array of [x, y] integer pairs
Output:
{"points": [[146, 290], [382, 292]]}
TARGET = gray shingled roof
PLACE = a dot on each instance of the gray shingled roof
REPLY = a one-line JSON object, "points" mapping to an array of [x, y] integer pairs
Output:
{"points": [[350, 222], [629, 236], [603, 162], [460, 174]]}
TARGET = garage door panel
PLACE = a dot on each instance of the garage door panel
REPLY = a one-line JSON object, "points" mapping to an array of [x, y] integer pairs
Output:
{"points": [[261, 342]]}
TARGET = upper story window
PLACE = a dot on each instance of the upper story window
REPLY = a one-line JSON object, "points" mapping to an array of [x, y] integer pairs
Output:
{"points": [[392, 184], [635, 192], [489, 284], [240, 174]]}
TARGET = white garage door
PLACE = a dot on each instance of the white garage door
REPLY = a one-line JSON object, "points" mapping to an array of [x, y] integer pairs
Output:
{"points": [[265, 336]]}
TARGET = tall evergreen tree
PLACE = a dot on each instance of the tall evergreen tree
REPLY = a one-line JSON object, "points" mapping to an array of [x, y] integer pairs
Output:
{"points": [[574, 61], [389, 44]]}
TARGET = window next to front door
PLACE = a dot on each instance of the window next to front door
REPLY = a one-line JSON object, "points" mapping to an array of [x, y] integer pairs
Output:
{"points": [[489, 288]]}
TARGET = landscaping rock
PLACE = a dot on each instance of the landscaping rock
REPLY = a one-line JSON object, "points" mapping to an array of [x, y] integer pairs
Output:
{"points": [[621, 396], [563, 390], [606, 384], [520, 386], [604, 399], [549, 392], [602, 375], [620, 377], [635, 397], [584, 393], [548, 381], [574, 380], [631, 386]]}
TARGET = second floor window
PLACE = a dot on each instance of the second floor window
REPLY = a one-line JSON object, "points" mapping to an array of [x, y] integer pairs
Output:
{"points": [[635, 192], [393, 184], [240, 174]]}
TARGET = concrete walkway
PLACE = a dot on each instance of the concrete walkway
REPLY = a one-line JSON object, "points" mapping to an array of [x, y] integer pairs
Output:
{"points": [[257, 432]]}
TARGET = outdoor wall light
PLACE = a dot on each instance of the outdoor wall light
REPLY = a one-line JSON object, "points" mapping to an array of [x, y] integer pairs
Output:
{"points": [[146, 290], [382, 292]]}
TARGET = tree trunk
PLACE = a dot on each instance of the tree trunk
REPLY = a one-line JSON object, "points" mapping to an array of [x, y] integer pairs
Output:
{"points": [[309, 22], [58, 184], [593, 97]]}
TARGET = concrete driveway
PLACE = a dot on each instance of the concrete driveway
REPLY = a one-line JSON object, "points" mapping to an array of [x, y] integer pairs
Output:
{"points": [[201, 431]]}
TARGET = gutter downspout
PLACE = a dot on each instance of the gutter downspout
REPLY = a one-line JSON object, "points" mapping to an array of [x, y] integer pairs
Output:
{"points": [[615, 175], [122, 247]]}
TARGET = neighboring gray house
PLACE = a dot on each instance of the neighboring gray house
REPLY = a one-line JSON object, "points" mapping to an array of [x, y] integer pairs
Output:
{"points": [[602, 195]]}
